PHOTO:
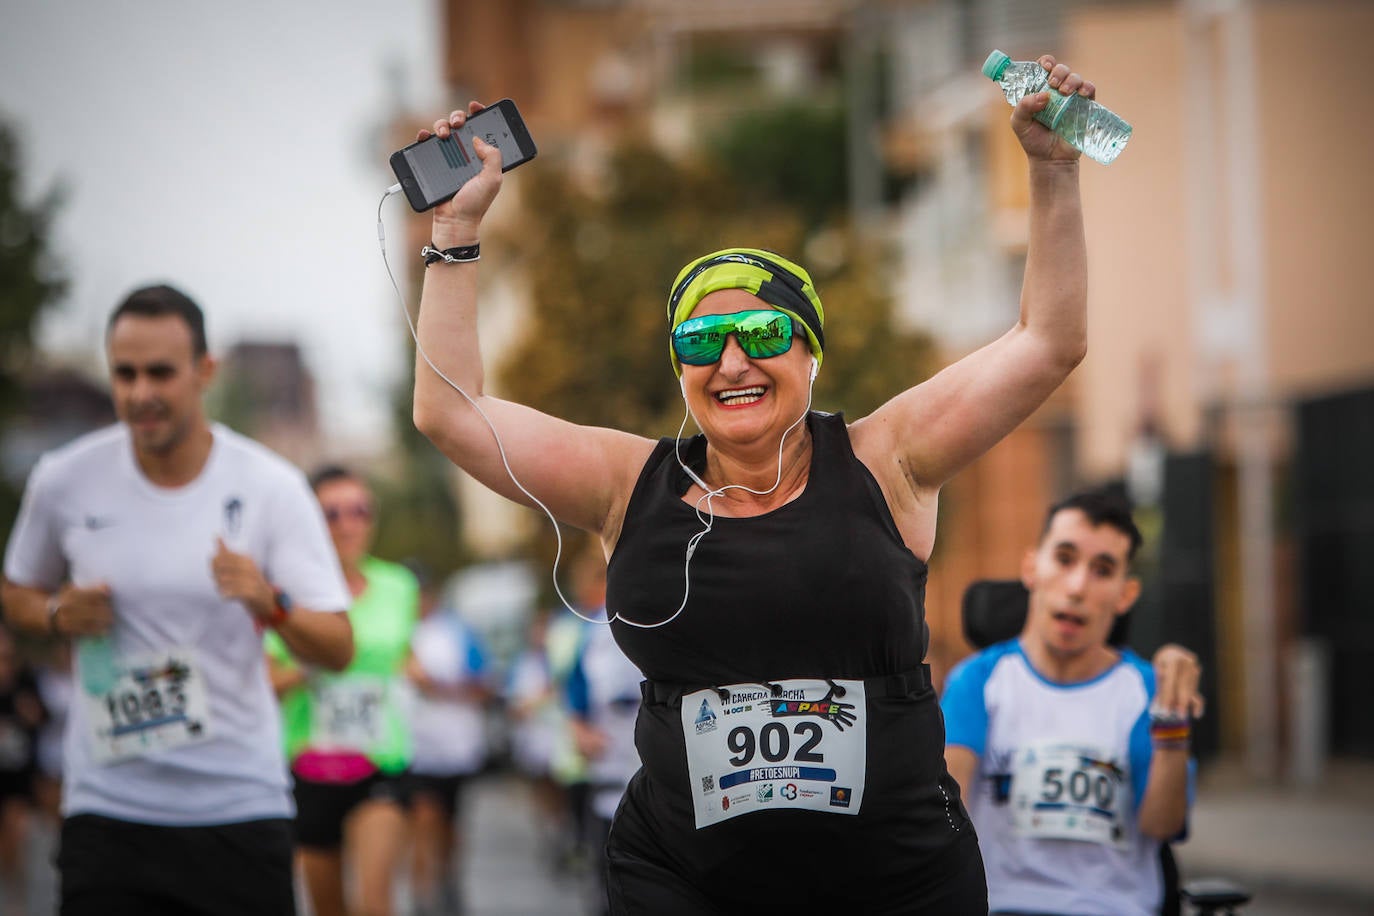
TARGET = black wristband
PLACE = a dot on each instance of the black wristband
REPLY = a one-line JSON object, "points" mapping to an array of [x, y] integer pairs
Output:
{"points": [[460, 255]]}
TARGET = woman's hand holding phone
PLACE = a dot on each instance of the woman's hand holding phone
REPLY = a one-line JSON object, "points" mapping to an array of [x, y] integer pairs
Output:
{"points": [[456, 221]]}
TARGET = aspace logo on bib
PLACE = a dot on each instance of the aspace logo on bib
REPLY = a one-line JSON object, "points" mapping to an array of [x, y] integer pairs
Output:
{"points": [[706, 719]]}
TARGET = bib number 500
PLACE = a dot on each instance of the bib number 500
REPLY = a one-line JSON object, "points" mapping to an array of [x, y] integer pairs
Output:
{"points": [[1081, 787]]}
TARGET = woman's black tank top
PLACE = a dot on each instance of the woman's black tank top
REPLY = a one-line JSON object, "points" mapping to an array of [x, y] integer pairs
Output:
{"points": [[822, 586]]}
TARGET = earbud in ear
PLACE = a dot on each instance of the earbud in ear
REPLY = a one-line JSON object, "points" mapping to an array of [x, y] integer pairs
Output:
{"points": [[815, 368]]}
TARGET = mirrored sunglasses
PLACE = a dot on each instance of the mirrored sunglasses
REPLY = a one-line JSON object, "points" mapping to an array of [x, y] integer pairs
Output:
{"points": [[761, 333]]}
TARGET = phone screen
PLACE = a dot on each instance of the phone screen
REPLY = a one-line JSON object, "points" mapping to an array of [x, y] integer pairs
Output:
{"points": [[442, 166]]}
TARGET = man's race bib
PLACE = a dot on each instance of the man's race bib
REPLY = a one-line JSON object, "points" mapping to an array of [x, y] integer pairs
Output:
{"points": [[349, 713], [158, 701], [753, 751], [1067, 791]]}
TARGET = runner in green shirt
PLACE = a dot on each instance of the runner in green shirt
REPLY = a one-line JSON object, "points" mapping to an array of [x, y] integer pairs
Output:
{"points": [[346, 733]]}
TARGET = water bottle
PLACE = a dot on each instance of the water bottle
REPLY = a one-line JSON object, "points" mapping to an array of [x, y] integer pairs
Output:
{"points": [[1087, 126]]}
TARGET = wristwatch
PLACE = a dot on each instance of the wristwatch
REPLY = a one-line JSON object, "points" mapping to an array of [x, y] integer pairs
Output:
{"points": [[281, 609]]}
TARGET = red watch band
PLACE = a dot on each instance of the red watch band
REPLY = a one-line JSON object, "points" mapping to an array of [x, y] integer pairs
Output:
{"points": [[281, 608]]}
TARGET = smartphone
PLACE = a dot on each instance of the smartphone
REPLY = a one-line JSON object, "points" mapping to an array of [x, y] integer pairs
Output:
{"points": [[431, 171]]}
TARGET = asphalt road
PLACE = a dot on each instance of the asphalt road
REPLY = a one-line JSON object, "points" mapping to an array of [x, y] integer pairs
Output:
{"points": [[508, 869]]}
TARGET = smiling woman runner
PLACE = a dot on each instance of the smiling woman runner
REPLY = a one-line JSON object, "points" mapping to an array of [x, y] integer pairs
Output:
{"points": [[768, 575]]}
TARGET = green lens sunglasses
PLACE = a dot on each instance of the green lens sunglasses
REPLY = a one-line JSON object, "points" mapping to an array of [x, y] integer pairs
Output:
{"points": [[761, 333]]}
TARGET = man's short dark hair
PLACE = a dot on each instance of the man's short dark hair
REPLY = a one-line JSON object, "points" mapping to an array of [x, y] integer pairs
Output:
{"points": [[1102, 506], [156, 301]]}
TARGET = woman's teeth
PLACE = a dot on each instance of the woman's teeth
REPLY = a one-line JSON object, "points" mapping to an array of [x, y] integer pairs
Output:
{"points": [[735, 397]]}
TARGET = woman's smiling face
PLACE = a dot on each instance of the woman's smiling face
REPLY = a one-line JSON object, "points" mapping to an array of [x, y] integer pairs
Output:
{"points": [[739, 397]]}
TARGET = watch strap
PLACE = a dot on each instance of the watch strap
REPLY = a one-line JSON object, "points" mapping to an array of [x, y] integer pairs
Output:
{"points": [[281, 608]]}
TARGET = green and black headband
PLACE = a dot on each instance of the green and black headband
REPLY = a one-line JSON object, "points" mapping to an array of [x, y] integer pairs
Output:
{"points": [[773, 279]]}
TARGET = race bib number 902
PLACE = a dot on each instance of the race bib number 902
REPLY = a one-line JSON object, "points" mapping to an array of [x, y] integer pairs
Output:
{"points": [[158, 702], [751, 750]]}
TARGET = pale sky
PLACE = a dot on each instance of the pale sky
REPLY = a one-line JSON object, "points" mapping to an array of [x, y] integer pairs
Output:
{"points": [[233, 150]]}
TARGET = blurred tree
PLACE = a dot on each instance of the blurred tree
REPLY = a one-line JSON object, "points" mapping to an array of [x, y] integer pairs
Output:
{"points": [[230, 401], [793, 152], [600, 266], [30, 281]]}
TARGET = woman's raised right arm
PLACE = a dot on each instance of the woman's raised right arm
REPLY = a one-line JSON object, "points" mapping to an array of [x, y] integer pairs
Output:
{"points": [[583, 474]]}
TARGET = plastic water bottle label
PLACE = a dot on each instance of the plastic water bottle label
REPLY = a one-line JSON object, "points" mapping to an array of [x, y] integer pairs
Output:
{"points": [[1054, 111]]}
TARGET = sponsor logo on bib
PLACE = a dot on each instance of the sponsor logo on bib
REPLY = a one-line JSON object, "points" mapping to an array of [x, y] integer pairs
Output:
{"points": [[706, 719]]}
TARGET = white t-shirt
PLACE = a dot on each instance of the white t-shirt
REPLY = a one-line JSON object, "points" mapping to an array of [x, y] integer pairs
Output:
{"points": [[1061, 772], [450, 735], [90, 516]]}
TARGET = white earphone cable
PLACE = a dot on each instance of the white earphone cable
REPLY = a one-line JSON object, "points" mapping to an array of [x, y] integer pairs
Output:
{"points": [[500, 446], [709, 520]]}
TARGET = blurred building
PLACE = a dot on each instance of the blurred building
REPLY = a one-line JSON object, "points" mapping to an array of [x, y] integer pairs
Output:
{"points": [[1229, 373], [1230, 377], [55, 407], [1235, 267], [265, 391]]}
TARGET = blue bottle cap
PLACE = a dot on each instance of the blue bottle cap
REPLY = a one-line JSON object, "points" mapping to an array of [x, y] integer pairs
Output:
{"points": [[996, 65]]}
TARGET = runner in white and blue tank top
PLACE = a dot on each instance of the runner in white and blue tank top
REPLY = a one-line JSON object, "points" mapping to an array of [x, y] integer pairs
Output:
{"points": [[1052, 739]]}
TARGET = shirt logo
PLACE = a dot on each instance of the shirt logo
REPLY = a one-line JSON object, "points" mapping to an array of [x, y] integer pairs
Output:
{"points": [[233, 515], [97, 522]]}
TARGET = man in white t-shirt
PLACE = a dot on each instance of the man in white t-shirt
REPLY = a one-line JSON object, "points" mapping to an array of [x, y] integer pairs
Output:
{"points": [[163, 546], [1072, 755]]}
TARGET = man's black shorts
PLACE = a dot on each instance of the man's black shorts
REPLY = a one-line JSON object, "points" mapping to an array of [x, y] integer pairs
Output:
{"points": [[322, 807], [110, 867]]}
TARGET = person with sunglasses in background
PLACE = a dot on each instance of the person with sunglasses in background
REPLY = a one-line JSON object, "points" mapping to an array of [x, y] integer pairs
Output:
{"points": [[768, 575], [347, 736]]}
